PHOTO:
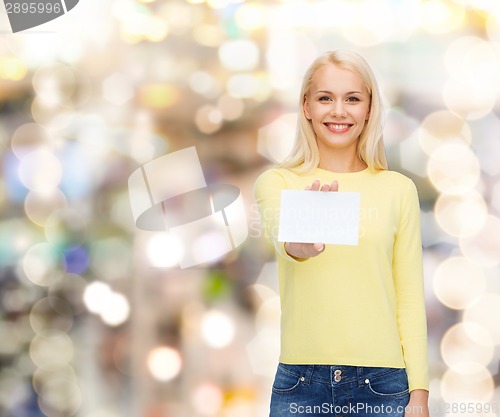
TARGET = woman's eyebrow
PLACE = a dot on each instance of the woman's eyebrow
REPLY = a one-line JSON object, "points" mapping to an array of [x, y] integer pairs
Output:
{"points": [[329, 92]]}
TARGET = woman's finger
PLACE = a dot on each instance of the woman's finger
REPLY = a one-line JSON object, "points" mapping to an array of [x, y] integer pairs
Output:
{"points": [[319, 247], [315, 185]]}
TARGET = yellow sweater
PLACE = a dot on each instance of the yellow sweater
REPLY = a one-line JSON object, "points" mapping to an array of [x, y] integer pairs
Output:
{"points": [[354, 305]]}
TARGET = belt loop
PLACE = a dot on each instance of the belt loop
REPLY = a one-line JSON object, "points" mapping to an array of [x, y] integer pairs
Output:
{"points": [[309, 374], [360, 376]]}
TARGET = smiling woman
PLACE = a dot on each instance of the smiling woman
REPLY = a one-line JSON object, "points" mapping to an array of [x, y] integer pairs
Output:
{"points": [[353, 326], [343, 84], [338, 107]]}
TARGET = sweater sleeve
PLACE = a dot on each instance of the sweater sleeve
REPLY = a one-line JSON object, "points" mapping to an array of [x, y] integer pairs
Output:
{"points": [[408, 281], [268, 197]]}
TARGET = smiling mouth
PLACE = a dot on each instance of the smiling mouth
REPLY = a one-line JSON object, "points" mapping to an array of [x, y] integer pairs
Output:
{"points": [[338, 127]]}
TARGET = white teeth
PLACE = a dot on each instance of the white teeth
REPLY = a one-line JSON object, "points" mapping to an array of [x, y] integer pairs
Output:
{"points": [[338, 127]]}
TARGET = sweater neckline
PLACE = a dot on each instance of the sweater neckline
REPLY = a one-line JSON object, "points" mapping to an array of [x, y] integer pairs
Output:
{"points": [[363, 172]]}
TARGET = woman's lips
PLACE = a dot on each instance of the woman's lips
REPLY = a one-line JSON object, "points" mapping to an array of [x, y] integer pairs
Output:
{"points": [[338, 127]]}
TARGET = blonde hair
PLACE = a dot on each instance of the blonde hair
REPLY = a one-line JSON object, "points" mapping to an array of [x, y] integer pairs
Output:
{"points": [[370, 147]]}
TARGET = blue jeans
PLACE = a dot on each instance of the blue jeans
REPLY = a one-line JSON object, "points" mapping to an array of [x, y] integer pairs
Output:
{"points": [[338, 390]]}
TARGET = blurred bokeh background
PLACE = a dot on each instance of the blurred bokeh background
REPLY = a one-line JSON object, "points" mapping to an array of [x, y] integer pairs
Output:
{"points": [[96, 319]]}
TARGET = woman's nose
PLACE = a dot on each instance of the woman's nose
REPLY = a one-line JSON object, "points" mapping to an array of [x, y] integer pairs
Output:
{"points": [[338, 110]]}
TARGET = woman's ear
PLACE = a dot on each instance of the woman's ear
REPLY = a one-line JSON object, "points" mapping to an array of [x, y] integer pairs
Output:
{"points": [[305, 108]]}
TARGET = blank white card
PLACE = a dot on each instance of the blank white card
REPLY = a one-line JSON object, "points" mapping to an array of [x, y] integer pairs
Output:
{"points": [[319, 217]]}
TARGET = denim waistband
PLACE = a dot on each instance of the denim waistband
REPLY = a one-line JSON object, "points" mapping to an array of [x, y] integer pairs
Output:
{"points": [[337, 374]]}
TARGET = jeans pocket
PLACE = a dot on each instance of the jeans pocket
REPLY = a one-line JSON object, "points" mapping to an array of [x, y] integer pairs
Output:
{"points": [[393, 383], [288, 378]]}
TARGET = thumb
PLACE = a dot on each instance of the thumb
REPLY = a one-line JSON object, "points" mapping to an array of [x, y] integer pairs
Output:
{"points": [[319, 247]]}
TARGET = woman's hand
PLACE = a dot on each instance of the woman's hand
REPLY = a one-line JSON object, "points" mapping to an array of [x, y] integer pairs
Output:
{"points": [[299, 250], [418, 404]]}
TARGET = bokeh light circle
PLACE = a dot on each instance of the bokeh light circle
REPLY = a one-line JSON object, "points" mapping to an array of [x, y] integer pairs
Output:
{"points": [[42, 376], [164, 250], [493, 27], [217, 328], [461, 215], [239, 55], [202, 82], [57, 388], [208, 35], [485, 311], [276, 140], [454, 55], [29, 137], [457, 347], [207, 399], [478, 333], [483, 247], [441, 127], [40, 171], [112, 257], [56, 84], [40, 206], [231, 108], [440, 16], [65, 226], [471, 100], [51, 313], [112, 307], [466, 382], [39, 263], [69, 287], [116, 310], [365, 23], [469, 56], [244, 85], [453, 168], [12, 68], [458, 281], [465, 93], [268, 315], [51, 349], [208, 119], [12, 340], [251, 15], [211, 246], [164, 363], [75, 259], [54, 118], [399, 125], [95, 295]]}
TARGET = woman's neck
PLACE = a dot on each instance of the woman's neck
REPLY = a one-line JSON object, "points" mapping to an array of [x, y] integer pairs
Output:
{"points": [[343, 164]]}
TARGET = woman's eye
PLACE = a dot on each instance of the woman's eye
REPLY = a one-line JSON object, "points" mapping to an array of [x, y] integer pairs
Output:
{"points": [[353, 99], [324, 98]]}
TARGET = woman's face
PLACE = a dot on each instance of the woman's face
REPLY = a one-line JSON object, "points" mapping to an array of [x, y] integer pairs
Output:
{"points": [[338, 107]]}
